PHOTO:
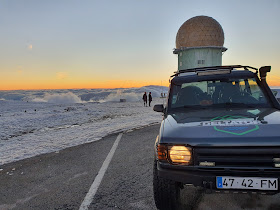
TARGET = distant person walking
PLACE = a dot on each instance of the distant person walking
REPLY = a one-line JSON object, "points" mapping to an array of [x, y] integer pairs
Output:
{"points": [[145, 99], [150, 98]]}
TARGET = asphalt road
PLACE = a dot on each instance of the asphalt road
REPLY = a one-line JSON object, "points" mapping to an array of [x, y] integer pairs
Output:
{"points": [[62, 180]]}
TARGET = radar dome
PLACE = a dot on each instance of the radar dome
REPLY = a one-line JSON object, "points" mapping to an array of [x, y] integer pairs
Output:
{"points": [[200, 31]]}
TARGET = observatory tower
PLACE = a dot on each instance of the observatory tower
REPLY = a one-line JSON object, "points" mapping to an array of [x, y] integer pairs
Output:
{"points": [[199, 43]]}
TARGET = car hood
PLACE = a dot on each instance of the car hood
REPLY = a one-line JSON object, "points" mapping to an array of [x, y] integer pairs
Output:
{"points": [[226, 127]]}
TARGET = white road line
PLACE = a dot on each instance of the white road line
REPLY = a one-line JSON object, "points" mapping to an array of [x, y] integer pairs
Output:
{"points": [[98, 179]]}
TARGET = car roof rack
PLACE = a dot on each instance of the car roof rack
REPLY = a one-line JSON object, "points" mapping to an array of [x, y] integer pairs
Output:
{"points": [[215, 68]]}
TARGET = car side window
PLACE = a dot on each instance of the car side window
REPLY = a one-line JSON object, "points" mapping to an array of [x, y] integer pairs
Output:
{"points": [[251, 90]]}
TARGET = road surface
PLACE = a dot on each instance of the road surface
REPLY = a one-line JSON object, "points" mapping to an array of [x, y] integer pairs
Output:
{"points": [[64, 180]]}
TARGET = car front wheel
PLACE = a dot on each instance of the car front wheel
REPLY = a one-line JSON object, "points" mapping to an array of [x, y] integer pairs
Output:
{"points": [[166, 192]]}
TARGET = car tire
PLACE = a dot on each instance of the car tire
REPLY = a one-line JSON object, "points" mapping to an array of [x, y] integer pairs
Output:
{"points": [[166, 192]]}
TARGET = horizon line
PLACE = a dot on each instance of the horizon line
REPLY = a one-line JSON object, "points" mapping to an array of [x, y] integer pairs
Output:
{"points": [[81, 88]]}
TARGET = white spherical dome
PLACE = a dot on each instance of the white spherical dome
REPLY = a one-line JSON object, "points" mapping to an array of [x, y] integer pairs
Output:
{"points": [[200, 31]]}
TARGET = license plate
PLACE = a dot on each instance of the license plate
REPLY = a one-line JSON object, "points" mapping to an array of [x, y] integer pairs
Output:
{"points": [[256, 183]]}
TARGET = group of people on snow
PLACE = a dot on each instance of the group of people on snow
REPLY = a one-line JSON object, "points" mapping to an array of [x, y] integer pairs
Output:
{"points": [[145, 98]]}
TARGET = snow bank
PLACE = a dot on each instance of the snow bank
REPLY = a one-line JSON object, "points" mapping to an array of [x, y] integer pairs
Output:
{"points": [[31, 128]]}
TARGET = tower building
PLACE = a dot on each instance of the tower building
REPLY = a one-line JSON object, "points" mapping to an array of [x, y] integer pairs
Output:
{"points": [[199, 43]]}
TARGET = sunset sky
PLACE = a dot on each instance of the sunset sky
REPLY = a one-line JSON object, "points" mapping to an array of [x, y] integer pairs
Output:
{"points": [[59, 44]]}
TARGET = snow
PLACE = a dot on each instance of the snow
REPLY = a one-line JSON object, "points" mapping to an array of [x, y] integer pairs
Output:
{"points": [[37, 122]]}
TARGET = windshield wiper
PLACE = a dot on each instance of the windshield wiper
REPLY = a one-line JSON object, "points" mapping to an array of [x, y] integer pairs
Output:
{"points": [[195, 107], [188, 107], [221, 105], [231, 104]]}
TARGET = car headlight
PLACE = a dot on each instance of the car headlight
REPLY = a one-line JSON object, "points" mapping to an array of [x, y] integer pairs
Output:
{"points": [[180, 154], [174, 154]]}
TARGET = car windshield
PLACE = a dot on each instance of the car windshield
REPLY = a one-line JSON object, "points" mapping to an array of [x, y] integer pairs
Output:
{"points": [[218, 93]]}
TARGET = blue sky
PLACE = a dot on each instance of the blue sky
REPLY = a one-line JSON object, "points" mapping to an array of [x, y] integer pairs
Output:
{"points": [[75, 44]]}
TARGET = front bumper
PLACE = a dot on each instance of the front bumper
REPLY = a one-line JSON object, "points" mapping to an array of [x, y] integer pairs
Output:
{"points": [[205, 177]]}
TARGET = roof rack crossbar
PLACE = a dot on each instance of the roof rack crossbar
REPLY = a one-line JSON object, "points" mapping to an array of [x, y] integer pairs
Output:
{"points": [[214, 68]]}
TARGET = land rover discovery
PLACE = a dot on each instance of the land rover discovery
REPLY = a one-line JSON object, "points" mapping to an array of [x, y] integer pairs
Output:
{"points": [[220, 132]]}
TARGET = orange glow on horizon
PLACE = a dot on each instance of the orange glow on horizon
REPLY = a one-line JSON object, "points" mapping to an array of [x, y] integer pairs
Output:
{"points": [[109, 84], [273, 80], [96, 85], [273, 84], [104, 85]]}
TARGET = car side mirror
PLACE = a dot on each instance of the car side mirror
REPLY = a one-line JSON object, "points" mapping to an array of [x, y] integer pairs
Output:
{"points": [[263, 71], [274, 92], [158, 108]]}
